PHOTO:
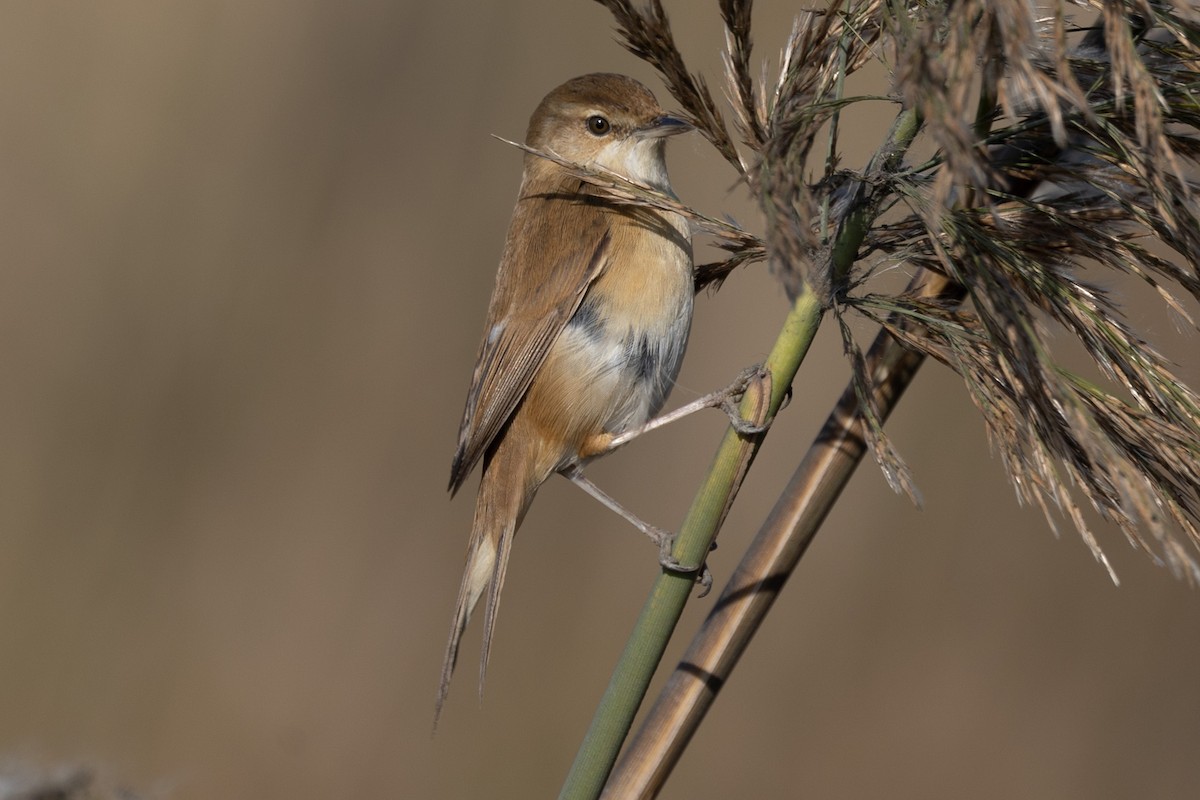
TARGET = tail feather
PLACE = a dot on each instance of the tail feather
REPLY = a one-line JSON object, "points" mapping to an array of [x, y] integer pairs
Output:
{"points": [[476, 575], [499, 510], [499, 570]]}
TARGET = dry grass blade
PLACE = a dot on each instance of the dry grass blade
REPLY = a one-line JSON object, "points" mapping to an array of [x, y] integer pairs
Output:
{"points": [[743, 247]]}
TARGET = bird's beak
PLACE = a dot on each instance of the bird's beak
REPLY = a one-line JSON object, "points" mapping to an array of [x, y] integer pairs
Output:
{"points": [[666, 125]]}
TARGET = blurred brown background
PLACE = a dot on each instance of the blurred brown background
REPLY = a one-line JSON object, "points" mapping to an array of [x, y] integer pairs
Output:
{"points": [[247, 249]]}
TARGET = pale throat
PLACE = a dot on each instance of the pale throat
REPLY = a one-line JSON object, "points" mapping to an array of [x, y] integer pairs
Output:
{"points": [[640, 160]]}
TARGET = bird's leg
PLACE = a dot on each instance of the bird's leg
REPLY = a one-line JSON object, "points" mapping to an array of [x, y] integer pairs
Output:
{"points": [[664, 539], [723, 399]]}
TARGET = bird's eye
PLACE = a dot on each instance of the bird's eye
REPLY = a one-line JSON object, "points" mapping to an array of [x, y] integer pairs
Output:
{"points": [[597, 125]]}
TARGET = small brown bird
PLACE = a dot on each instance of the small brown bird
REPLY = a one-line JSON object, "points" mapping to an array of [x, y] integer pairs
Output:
{"points": [[586, 328]]}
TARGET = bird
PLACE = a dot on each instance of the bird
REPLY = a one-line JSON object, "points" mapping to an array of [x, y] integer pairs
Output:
{"points": [[586, 328]]}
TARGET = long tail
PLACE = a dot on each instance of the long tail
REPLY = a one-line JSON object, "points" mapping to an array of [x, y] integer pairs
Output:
{"points": [[504, 497]]}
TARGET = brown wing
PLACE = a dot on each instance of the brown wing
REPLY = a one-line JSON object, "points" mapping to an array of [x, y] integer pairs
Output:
{"points": [[557, 246]]}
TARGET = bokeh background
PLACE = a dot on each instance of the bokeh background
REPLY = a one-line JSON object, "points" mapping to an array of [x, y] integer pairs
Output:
{"points": [[246, 253]]}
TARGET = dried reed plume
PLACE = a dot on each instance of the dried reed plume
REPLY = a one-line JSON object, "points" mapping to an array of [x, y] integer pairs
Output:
{"points": [[1058, 148]]}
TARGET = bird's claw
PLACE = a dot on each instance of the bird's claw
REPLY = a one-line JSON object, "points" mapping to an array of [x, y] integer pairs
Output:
{"points": [[735, 392], [739, 423], [667, 560]]}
